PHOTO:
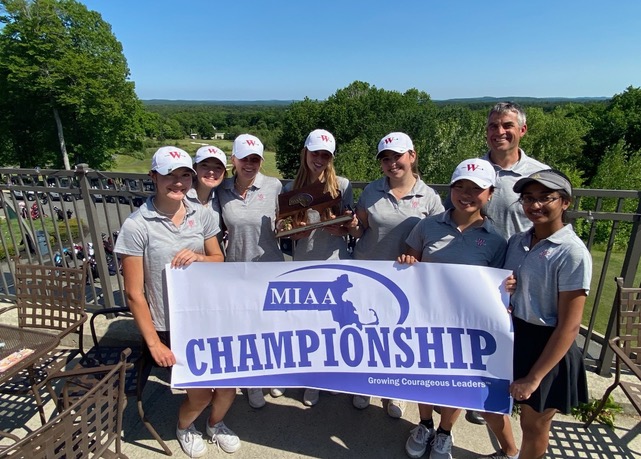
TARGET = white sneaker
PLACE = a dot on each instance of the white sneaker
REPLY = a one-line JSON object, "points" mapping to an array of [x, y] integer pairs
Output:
{"points": [[361, 401], [442, 446], [277, 392], [191, 441], [224, 437], [311, 396], [419, 441], [395, 408], [256, 398]]}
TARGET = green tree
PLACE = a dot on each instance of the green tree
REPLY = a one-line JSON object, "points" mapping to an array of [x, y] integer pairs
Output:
{"points": [[64, 88], [619, 170], [619, 120], [358, 116], [555, 138]]}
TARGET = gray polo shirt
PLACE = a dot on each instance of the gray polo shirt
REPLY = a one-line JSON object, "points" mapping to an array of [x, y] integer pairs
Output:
{"points": [[320, 245], [212, 202], [390, 220], [504, 208], [250, 221], [440, 241], [147, 234], [560, 263]]}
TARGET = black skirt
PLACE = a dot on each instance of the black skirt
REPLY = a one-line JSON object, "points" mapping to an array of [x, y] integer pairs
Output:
{"points": [[565, 386]]}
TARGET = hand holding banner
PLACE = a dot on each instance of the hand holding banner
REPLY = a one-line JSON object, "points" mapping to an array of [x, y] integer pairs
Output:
{"points": [[429, 332]]}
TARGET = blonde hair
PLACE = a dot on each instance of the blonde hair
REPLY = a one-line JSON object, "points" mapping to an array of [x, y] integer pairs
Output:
{"points": [[328, 177]]}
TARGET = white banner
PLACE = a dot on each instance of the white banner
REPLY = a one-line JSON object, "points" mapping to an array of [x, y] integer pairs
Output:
{"points": [[431, 333]]}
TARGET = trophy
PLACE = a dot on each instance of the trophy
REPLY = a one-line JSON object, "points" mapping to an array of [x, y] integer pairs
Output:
{"points": [[308, 208]]}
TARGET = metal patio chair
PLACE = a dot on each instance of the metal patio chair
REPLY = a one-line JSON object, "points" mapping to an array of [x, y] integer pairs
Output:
{"points": [[626, 346], [50, 299], [136, 376], [88, 426]]}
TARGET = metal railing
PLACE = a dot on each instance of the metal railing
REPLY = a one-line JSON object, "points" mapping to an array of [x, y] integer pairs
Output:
{"points": [[72, 209]]}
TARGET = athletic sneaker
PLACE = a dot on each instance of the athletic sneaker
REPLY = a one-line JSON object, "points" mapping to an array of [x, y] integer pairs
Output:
{"points": [[311, 396], [224, 437], [419, 441], [191, 441], [499, 455], [256, 398], [395, 408], [441, 446], [474, 417], [361, 401], [277, 392]]}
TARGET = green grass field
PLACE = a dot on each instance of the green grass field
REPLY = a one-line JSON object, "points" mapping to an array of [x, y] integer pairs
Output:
{"points": [[609, 287], [126, 163]]}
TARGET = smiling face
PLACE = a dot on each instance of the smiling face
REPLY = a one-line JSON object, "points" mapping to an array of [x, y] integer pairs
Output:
{"points": [[396, 165], [317, 162], [533, 198], [468, 197], [504, 133], [173, 186], [248, 167], [210, 173]]}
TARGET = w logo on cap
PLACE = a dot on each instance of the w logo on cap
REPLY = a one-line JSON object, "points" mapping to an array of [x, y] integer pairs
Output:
{"points": [[175, 154], [472, 167], [324, 138], [389, 140], [250, 142]]}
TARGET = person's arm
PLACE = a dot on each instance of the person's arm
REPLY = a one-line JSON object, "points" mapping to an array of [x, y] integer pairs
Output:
{"points": [[133, 272], [185, 257], [358, 225], [569, 322]]}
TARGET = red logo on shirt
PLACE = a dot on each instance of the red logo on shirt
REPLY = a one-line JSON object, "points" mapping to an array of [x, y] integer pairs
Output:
{"points": [[480, 242], [191, 223], [414, 203], [261, 197]]}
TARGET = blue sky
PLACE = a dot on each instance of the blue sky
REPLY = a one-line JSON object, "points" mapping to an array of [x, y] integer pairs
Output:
{"points": [[291, 49]]}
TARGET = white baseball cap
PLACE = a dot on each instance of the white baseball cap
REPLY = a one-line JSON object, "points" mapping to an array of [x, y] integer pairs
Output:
{"points": [[209, 151], [168, 159], [247, 144], [320, 139], [395, 141], [476, 170]]}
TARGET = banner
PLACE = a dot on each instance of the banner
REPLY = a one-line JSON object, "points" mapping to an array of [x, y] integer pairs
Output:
{"points": [[430, 333]]}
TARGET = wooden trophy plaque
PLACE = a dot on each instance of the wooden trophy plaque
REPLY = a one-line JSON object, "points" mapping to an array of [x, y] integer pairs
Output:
{"points": [[294, 205]]}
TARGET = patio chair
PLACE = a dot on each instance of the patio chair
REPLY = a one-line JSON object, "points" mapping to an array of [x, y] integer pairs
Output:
{"points": [[626, 346], [51, 299], [136, 377], [87, 427]]}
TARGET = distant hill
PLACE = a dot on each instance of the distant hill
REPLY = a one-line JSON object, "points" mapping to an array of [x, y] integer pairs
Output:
{"points": [[520, 100], [467, 101], [216, 102]]}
